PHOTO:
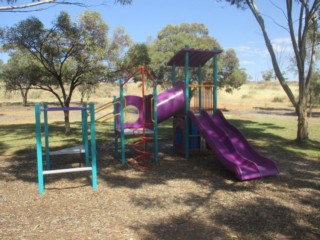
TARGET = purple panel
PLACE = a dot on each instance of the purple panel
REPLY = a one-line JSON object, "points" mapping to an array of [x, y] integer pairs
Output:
{"points": [[149, 109], [196, 57], [171, 102], [135, 101], [179, 134]]}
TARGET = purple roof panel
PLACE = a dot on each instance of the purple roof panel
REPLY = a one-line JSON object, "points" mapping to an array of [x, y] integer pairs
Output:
{"points": [[196, 57]]}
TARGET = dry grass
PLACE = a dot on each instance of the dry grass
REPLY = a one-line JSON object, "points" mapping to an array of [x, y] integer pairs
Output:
{"points": [[195, 199]]}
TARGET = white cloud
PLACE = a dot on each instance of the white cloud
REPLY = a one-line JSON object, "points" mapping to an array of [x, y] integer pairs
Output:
{"points": [[248, 50], [242, 48], [282, 45], [245, 62], [284, 40]]}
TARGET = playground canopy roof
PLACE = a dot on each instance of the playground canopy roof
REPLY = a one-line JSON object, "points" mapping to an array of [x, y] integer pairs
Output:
{"points": [[196, 57]]}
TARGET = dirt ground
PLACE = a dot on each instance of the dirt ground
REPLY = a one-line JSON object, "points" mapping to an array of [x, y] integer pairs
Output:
{"points": [[195, 199]]}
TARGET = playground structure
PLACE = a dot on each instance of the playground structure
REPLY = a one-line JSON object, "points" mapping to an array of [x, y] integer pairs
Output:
{"points": [[144, 127], [84, 148], [198, 126]]}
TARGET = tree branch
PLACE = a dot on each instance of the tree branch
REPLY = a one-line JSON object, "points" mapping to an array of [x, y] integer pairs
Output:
{"points": [[20, 8], [254, 9], [28, 5]]}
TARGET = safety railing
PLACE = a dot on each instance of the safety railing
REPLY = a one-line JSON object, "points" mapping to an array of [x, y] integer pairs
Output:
{"points": [[110, 115], [202, 97]]}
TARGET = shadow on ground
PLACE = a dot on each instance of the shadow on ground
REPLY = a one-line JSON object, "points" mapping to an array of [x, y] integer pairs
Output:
{"points": [[221, 210]]}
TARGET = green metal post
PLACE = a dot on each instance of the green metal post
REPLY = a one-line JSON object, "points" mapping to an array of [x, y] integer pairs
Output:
{"points": [[174, 75], [187, 140], [215, 82], [155, 114], [123, 156], [93, 147], [200, 86], [115, 127], [39, 149], [46, 136], [84, 116]]}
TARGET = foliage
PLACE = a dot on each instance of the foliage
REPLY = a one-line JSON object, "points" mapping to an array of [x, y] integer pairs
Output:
{"points": [[1, 67], [124, 2], [304, 38], [117, 49], [34, 5], [70, 53], [268, 75], [314, 98], [138, 55], [20, 73], [231, 75], [172, 38]]}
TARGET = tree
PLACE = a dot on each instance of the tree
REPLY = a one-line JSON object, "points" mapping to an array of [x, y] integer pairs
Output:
{"points": [[172, 38], [307, 27], [314, 97], [268, 75], [1, 66], [39, 5], [20, 73], [230, 74], [117, 49], [70, 53], [137, 55]]}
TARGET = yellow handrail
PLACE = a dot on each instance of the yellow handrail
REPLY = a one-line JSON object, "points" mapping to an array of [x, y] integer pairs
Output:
{"points": [[106, 118], [107, 105], [111, 115], [200, 85]]}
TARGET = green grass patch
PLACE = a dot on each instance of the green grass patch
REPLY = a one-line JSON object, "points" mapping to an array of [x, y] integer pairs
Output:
{"points": [[279, 135], [266, 134], [278, 99]]}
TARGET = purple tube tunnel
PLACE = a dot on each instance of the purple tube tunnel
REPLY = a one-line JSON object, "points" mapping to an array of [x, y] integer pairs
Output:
{"points": [[169, 103]]}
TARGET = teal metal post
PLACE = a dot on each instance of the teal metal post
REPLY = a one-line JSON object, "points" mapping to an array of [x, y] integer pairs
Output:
{"points": [[200, 86], [123, 156], [215, 82], [84, 117], [115, 127], [187, 140], [155, 124], [46, 136], [93, 147], [39, 149], [174, 75]]}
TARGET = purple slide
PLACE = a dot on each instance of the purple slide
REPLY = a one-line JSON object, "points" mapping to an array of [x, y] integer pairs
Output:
{"points": [[232, 148]]}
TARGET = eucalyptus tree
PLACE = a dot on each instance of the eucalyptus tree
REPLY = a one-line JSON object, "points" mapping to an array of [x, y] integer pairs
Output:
{"points": [[120, 43], [172, 38], [20, 73], [41, 5], [70, 53], [302, 27]]}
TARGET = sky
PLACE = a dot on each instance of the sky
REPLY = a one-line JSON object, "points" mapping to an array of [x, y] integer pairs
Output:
{"points": [[231, 27]]}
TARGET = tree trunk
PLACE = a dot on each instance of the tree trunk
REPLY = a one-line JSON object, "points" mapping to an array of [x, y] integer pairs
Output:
{"points": [[302, 133], [300, 54], [25, 100], [24, 97], [67, 122], [310, 105]]}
